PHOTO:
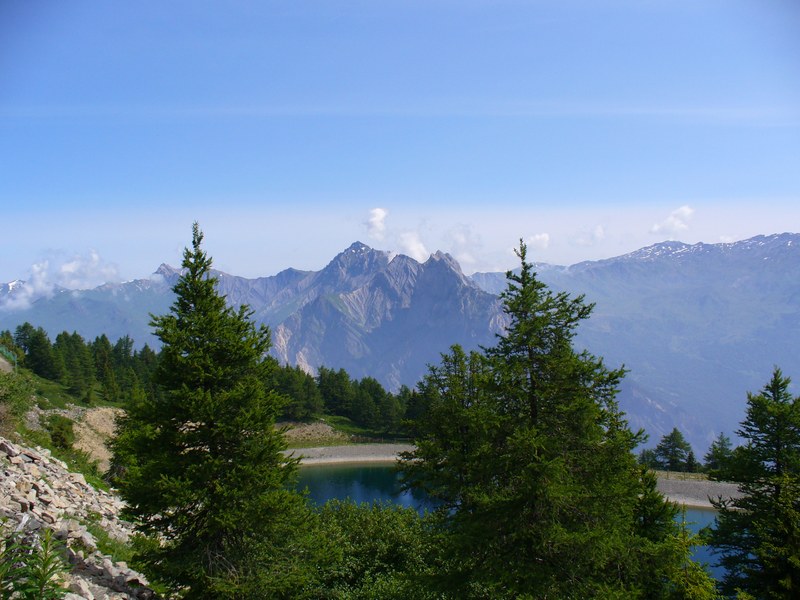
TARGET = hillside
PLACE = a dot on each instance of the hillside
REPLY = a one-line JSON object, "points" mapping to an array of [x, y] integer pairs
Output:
{"points": [[38, 493]]}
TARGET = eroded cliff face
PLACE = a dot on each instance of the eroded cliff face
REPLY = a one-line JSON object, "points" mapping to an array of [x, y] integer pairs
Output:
{"points": [[37, 492]]}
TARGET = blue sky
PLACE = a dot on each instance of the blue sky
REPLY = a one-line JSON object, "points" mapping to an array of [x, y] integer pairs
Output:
{"points": [[291, 129]]}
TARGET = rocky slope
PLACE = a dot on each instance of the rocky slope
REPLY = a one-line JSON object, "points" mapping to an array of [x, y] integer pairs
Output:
{"points": [[38, 492]]}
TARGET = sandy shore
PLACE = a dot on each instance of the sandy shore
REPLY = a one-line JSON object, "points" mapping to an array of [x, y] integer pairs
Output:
{"points": [[687, 492], [350, 454]]}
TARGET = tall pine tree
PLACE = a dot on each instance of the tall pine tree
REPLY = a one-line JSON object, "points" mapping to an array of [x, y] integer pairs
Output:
{"points": [[202, 469], [757, 536], [533, 462]]}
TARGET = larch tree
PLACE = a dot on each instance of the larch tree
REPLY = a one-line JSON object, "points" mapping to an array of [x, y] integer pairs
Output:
{"points": [[200, 464], [532, 461], [757, 536]]}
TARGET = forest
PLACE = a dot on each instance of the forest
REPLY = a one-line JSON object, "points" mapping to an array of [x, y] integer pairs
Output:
{"points": [[543, 489]]}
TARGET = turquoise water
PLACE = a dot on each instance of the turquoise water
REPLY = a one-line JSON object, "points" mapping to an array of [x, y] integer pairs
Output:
{"points": [[367, 482]]}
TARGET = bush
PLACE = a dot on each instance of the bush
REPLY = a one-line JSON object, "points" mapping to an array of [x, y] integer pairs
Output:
{"points": [[61, 431], [15, 393]]}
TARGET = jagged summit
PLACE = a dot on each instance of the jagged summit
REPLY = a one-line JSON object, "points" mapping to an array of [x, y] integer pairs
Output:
{"points": [[445, 258], [358, 248], [166, 271]]}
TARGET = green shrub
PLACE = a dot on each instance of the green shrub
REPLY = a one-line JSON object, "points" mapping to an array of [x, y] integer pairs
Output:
{"points": [[61, 431]]}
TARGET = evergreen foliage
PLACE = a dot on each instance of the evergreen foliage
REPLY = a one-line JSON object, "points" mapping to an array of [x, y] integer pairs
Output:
{"points": [[203, 469], [647, 457], [673, 452], [757, 536], [718, 457], [526, 449], [61, 431], [300, 388]]}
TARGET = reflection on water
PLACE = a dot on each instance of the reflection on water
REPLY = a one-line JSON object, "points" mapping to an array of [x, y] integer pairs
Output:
{"points": [[361, 482], [377, 482]]}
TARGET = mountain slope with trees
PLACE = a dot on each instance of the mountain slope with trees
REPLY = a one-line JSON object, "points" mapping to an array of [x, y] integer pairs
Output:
{"points": [[694, 324]]}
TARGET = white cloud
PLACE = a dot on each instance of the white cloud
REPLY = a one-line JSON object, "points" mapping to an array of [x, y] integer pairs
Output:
{"points": [[376, 223], [539, 241], [592, 237], [677, 222], [412, 245], [75, 273], [82, 272], [465, 244]]}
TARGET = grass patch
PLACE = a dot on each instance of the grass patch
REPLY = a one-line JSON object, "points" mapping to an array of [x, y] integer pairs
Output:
{"points": [[117, 550], [682, 476], [52, 394], [361, 434]]}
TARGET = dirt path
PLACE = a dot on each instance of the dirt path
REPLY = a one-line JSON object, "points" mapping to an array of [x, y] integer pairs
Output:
{"points": [[5, 366]]}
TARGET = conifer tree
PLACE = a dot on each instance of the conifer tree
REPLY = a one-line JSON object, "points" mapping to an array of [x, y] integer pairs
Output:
{"points": [[718, 456], [673, 451], [757, 536], [200, 464], [533, 462]]}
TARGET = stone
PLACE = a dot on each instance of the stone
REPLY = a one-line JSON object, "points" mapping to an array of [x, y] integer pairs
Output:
{"points": [[31, 469], [48, 517], [8, 448], [80, 587]]}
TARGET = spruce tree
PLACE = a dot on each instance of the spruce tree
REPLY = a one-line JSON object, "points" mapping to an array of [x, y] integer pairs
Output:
{"points": [[718, 456], [757, 536], [673, 451], [200, 464], [532, 460]]}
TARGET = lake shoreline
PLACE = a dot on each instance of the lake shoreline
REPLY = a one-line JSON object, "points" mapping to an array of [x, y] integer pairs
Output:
{"points": [[689, 493]]}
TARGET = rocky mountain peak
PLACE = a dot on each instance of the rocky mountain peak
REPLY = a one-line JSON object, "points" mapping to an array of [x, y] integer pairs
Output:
{"points": [[354, 266], [166, 271]]}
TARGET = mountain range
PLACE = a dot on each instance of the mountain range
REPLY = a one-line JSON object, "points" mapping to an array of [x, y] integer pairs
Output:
{"points": [[698, 326]]}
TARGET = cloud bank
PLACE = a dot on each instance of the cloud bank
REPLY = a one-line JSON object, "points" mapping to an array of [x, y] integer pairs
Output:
{"points": [[677, 222], [78, 272]]}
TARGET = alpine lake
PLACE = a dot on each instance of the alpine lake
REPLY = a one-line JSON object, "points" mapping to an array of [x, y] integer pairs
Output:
{"points": [[380, 482]]}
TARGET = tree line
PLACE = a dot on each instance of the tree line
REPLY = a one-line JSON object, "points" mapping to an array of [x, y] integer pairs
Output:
{"points": [[90, 371], [674, 453], [102, 371]]}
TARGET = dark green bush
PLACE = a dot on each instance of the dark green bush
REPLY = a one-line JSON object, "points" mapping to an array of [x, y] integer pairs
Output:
{"points": [[61, 431]]}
